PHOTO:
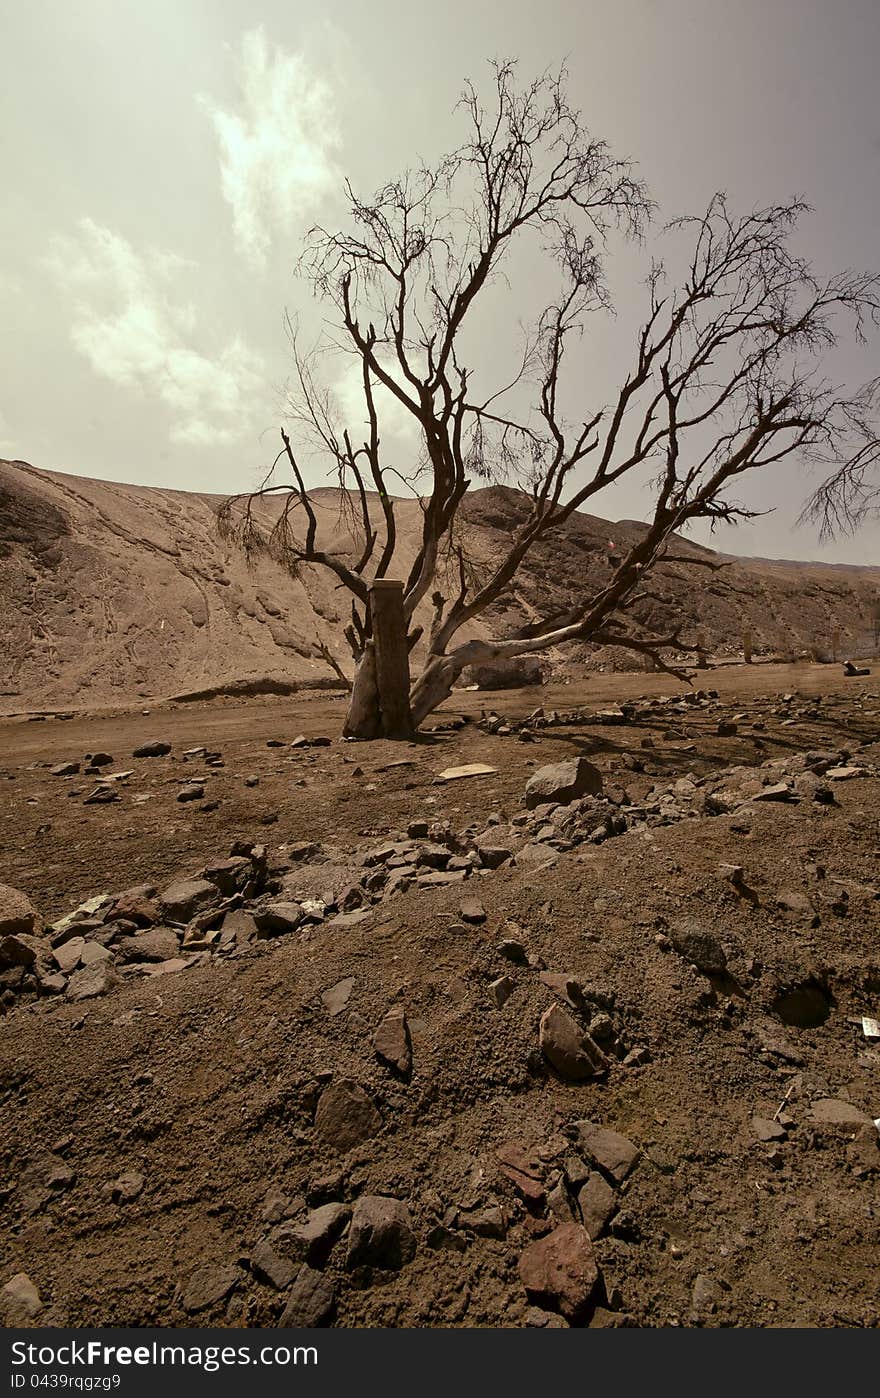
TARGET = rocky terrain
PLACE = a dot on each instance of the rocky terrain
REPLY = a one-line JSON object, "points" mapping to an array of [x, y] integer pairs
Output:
{"points": [[110, 594], [564, 1015]]}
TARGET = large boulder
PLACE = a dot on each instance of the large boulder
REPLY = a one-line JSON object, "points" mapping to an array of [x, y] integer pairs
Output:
{"points": [[563, 782], [18, 916], [521, 671]]}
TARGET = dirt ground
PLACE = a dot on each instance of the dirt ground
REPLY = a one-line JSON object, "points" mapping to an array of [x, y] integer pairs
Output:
{"points": [[206, 1084]]}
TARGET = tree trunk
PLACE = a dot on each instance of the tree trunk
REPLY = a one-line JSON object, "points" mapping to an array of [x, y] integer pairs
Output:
{"points": [[433, 686], [363, 719], [392, 657]]}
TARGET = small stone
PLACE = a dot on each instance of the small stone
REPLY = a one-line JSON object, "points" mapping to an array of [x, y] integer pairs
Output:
{"points": [[277, 919], [698, 946], [269, 1266], [67, 956], [567, 1048], [560, 1269], [155, 944], [310, 1303], [597, 1202], [562, 783], [706, 1296], [60, 1176], [275, 1206], [193, 791], [381, 1233], [127, 1188], [766, 1130], [65, 769], [337, 996], [91, 981], [513, 951], [611, 1152], [181, 901], [19, 1301], [152, 750], [93, 952], [208, 1286], [392, 1042], [831, 1111], [471, 910], [345, 1115], [779, 791], [501, 990], [321, 1230]]}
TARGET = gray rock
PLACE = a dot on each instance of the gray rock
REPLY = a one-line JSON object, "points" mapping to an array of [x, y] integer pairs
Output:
{"points": [[563, 782], [832, 1111], [94, 952], [705, 1296], [764, 1129], [345, 1115], [18, 916], [381, 1233], [152, 750], [311, 1301], [278, 918], [66, 769], [67, 956], [471, 910], [493, 856]]}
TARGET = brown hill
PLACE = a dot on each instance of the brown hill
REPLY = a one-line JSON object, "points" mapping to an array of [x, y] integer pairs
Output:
{"points": [[110, 593]]}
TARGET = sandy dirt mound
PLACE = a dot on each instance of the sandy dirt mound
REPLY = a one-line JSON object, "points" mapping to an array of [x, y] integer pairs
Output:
{"points": [[240, 1140], [113, 593]]}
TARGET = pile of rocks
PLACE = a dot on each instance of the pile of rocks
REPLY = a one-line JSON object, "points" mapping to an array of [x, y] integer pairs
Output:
{"points": [[552, 1201]]}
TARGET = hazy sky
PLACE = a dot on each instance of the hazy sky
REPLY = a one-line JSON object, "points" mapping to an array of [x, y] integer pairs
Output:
{"points": [[160, 163]]}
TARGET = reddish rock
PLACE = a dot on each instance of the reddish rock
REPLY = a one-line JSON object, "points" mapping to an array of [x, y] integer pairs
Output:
{"points": [[345, 1115], [560, 1270], [568, 1048], [392, 1043], [18, 916], [614, 1154]]}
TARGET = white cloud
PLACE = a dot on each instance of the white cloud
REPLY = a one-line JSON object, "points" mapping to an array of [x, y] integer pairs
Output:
{"points": [[277, 149], [134, 328], [394, 419]]}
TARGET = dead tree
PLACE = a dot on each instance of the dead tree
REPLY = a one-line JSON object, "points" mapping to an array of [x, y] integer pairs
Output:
{"points": [[850, 494], [723, 381]]}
